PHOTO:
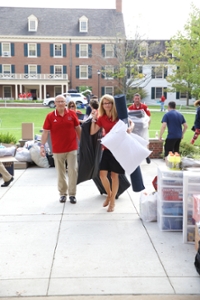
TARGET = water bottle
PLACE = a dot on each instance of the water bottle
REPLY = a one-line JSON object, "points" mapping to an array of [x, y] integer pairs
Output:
{"points": [[177, 161], [156, 135], [170, 159]]}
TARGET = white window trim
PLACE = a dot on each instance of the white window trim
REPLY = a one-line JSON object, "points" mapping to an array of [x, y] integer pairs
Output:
{"points": [[110, 87], [111, 68], [112, 50], [29, 67], [82, 20], [31, 19], [35, 50], [6, 53], [54, 50], [162, 92], [84, 66], [144, 47], [3, 71], [83, 56]]}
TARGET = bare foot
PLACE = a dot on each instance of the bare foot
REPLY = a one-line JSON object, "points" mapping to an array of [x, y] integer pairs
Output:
{"points": [[111, 207], [106, 202]]}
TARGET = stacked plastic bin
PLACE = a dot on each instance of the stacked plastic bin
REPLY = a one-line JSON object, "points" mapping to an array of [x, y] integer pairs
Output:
{"points": [[191, 208], [170, 200]]}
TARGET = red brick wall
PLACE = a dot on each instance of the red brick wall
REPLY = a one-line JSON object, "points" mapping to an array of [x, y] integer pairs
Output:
{"points": [[156, 146]]}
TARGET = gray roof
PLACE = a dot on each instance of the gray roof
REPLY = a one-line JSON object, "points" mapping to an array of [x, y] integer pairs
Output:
{"points": [[62, 22]]}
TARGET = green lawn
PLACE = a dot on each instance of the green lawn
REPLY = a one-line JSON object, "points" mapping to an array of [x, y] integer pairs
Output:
{"points": [[11, 119]]}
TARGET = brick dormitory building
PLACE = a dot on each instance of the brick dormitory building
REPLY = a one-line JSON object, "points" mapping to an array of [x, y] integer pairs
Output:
{"points": [[50, 50]]}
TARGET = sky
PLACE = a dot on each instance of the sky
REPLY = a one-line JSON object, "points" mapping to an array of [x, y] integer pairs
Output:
{"points": [[152, 19]]}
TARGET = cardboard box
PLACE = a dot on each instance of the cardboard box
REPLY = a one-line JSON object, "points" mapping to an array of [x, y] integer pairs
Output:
{"points": [[197, 237], [8, 162], [28, 131], [20, 165]]}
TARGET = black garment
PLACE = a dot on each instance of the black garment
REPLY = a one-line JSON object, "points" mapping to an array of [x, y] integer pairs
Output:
{"points": [[197, 119], [88, 110], [109, 163]]}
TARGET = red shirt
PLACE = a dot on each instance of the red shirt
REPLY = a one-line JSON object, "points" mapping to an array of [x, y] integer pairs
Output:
{"points": [[141, 106], [62, 129], [106, 123], [162, 99]]}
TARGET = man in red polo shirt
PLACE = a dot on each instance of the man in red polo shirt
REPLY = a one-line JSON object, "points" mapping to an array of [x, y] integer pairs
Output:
{"points": [[63, 125], [137, 105]]}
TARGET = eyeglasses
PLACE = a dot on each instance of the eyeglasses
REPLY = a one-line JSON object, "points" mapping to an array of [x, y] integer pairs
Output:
{"points": [[107, 103], [72, 106], [60, 102]]}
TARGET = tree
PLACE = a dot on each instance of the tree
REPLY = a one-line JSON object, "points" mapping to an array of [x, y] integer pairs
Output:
{"points": [[183, 52]]}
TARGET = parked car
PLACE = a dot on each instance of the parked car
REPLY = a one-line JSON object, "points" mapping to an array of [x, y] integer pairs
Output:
{"points": [[78, 98]]}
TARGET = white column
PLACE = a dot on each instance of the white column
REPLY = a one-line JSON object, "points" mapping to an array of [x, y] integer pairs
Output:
{"points": [[40, 92], [16, 94], [45, 91], [20, 88]]}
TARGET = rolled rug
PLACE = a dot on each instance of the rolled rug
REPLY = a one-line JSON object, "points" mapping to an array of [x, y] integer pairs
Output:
{"points": [[120, 102], [136, 176]]}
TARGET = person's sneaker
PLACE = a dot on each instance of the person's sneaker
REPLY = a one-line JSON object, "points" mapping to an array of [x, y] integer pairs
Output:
{"points": [[72, 199], [148, 160], [62, 199]]}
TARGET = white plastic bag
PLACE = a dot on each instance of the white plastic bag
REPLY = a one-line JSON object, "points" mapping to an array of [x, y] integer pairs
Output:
{"points": [[39, 160], [148, 206], [23, 154]]}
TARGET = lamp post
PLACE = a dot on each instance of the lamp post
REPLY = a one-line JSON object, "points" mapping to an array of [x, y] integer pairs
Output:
{"points": [[98, 73]]}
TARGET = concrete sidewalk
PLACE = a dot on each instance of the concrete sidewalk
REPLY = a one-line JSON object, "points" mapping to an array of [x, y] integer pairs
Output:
{"points": [[79, 252]]}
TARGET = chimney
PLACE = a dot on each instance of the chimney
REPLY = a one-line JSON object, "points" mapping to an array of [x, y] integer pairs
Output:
{"points": [[119, 5]]}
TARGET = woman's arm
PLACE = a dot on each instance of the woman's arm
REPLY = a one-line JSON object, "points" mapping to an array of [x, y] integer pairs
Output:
{"points": [[94, 127], [131, 126]]}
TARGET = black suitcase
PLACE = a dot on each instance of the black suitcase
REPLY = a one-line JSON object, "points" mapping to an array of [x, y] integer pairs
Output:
{"points": [[124, 184]]}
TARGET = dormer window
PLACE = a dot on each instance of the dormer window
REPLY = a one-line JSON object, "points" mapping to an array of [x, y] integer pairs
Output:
{"points": [[32, 23], [83, 24]]}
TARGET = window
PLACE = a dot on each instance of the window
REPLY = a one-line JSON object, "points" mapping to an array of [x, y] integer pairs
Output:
{"points": [[143, 49], [83, 50], [159, 72], [83, 24], [83, 72], [32, 69], [5, 49], [32, 23], [32, 50], [109, 72], [183, 95], [57, 90], [7, 92], [6, 69], [58, 71], [109, 50], [109, 90], [58, 50]]}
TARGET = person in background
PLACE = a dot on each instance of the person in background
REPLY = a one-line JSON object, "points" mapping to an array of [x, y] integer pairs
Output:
{"points": [[162, 103], [94, 104], [106, 117], [175, 122], [196, 126], [7, 177], [137, 105], [72, 106], [64, 128]]}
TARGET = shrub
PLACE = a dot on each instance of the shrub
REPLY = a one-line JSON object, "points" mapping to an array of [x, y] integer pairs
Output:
{"points": [[7, 138], [188, 150]]}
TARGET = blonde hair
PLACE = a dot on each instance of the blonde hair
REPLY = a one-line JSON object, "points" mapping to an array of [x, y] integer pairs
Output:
{"points": [[113, 110], [197, 103], [69, 104]]}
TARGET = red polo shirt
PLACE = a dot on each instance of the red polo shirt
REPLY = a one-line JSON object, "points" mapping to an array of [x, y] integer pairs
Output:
{"points": [[141, 106], [62, 129], [106, 123]]}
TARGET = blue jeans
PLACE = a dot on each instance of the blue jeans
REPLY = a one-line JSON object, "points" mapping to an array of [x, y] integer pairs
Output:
{"points": [[162, 107]]}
